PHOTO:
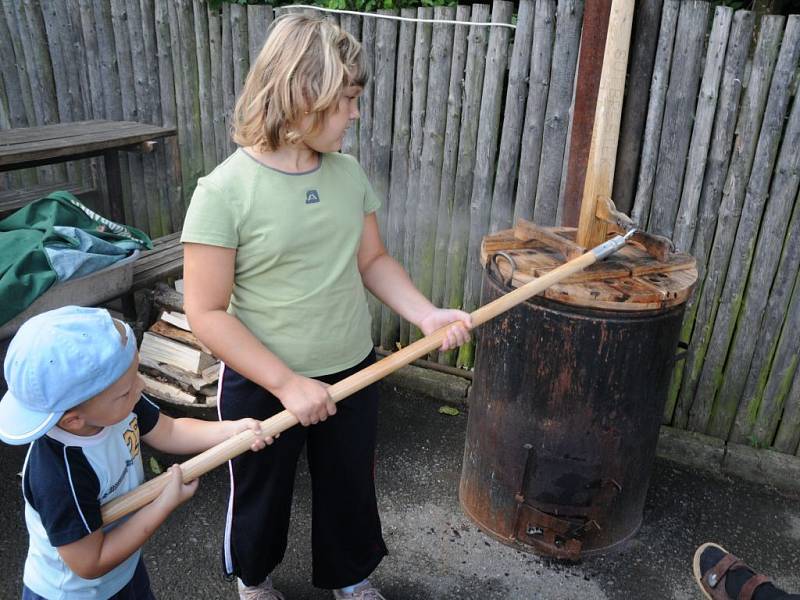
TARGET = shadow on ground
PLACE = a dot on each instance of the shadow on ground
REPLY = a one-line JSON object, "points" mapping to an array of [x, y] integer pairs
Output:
{"points": [[436, 552]]}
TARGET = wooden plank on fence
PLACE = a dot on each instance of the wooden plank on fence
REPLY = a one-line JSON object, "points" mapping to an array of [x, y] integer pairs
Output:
{"points": [[134, 209], [228, 91], [15, 70], [146, 187], [513, 115], [240, 46], [750, 118], [352, 25], [175, 201], [569, 16], [366, 102], [156, 163], [775, 354], [419, 91], [259, 18], [398, 185], [646, 19], [450, 158], [786, 378], [193, 148], [684, 81], [203, 47], [59, 56], [701, 133], [383, 113], [488, 137], [714, 178], [218, 119], [655, 113], [742, 309], [538, 91], [458, 245], [441, 56]]}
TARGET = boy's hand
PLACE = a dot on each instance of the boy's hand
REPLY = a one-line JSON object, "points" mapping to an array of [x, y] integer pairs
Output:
{"points": [[176, 492], [307, 399], [261, 441], [457, 333]]}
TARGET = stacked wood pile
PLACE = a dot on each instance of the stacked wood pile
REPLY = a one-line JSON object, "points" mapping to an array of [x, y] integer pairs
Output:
{"points": [[176, 366]]}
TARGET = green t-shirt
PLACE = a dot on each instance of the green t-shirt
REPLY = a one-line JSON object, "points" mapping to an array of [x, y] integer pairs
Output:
{"points": [[297, 287]]}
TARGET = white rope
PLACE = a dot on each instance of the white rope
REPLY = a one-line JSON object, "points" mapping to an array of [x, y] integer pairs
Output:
{"points": [[395, 18]]}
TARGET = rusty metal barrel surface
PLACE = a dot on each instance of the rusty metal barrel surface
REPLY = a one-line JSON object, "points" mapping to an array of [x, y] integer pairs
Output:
{"points": [[564, 416]]}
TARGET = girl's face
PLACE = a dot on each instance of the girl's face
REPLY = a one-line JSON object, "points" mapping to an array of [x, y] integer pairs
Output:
{"points": [[329, 137]]}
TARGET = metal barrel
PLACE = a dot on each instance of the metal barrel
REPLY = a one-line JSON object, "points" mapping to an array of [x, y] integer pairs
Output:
{"points": [[564, 415]]}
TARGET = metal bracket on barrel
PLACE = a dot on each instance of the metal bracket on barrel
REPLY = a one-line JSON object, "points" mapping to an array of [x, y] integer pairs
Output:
{"points": [[551, 535]]}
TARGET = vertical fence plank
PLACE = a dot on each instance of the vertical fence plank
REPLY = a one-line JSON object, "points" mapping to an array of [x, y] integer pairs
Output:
{"points": [[684, 82], [203, 47], [432, 157], [218, 119], [538, 91], [419, 91], [513, 115], [367, 100], [646, 19], [173, 196], [458, 246], [352, 25], [89, 36], [241, 53], [383, 113], [228, 91], [144, 182], [15, 69], [399, 181], [655, 113], [787, 376], [569, 15], [711, 194], [450, 161], [259, 18], [741, 162], [190, 97], [482, 183], [775, 355], [701, 133], [731, 308], [134, 209]]}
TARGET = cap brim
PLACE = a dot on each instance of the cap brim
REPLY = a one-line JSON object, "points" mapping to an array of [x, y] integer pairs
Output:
{"points": [[21, 425]]}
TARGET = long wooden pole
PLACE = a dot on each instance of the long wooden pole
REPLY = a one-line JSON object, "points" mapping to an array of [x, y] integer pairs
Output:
{"points": [[607, 117], [240, 443]]}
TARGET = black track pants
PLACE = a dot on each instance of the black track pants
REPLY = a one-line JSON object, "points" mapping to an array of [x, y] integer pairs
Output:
{"points": [[346, 532]]}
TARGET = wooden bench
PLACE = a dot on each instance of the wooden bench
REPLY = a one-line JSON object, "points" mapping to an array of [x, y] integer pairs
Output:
{"points": [[36, 146], [163, 261]]}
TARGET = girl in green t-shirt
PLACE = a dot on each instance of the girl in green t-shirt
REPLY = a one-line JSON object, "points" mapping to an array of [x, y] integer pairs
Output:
{"points": [[280, 241]]}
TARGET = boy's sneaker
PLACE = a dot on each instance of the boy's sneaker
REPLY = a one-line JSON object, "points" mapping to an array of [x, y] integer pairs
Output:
{"points": [[363, 591], [262, 591]]}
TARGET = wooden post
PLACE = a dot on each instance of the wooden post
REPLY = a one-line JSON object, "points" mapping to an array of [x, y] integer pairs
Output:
{"points": [[603, 152]]}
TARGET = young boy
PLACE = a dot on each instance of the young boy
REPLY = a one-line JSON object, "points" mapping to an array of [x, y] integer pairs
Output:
{"points": [[74, 392]]}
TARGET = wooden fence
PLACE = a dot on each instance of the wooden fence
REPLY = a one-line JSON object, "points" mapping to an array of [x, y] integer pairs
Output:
{"points": [[464, 129]]}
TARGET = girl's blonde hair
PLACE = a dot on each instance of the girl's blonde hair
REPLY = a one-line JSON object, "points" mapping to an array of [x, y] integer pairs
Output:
{"points": [[302, 70]]}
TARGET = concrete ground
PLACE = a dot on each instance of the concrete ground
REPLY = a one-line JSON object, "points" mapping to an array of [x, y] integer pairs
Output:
{"points": [[436, 552]]}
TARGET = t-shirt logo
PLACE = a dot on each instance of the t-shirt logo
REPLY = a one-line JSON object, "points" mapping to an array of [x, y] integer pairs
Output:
{"points": [[131, 437], [312, 197]]}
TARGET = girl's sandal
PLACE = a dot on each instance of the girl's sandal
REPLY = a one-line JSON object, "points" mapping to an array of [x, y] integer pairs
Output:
{"points": [[712, 582]]}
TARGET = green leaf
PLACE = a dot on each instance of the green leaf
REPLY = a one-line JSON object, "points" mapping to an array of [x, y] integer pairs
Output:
{"points": [[449, 410], [154, 466]]}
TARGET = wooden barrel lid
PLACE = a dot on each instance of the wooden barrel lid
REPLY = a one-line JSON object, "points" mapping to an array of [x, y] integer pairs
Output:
{"points": [[630, 280]]}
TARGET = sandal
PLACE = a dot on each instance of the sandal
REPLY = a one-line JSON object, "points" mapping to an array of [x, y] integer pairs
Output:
{"points": [[712, 575]]}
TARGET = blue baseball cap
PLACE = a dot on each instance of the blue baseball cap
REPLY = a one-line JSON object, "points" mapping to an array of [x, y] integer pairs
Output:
{"points": [[56, 361]]}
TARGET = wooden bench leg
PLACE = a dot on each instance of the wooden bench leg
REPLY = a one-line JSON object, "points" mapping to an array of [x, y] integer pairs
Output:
{"points": [[114, 183]]}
